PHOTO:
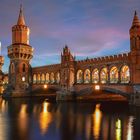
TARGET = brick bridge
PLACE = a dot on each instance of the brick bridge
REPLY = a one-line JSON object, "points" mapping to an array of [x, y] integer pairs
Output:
{"points": [[117, 73]]}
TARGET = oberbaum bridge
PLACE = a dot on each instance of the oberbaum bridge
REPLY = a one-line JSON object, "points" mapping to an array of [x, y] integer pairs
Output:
{"points": [[119, 74]]}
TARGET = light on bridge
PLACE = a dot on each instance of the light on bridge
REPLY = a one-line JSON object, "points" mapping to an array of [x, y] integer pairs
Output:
{"points": [[97, 87], [45, 86]]}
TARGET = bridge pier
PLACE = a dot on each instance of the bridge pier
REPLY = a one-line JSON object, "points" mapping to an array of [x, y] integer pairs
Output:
{"points": [[135, 96], [64, 95]]}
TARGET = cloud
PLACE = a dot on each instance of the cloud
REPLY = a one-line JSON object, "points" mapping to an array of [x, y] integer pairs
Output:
{"points": [[90, 28]]}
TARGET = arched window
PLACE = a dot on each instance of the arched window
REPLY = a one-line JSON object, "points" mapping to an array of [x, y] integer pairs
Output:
{"points": [[125, 74], [52, 78], [114, 75], [43, 78], [87, 76], [34, 78], [23, 68], [12, 68], [57, 77], [79, 76], [103, 75], [47, 78], [95, 76]]}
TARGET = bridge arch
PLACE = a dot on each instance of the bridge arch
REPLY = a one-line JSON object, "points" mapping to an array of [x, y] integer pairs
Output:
{"points": [[79, 76], [125, 74], [95, 75], [87, 78]]}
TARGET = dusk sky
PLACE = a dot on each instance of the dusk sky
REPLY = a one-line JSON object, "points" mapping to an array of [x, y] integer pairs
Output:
{"points": [[89, 27]]}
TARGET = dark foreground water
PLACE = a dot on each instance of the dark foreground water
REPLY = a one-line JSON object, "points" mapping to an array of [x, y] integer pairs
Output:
{"points": [[35, 119]]}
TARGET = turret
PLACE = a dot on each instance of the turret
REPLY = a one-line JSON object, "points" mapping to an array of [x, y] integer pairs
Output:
{"points": [[135, 33], [135, 50], [67, 69], [66, 55], [20, 54]]}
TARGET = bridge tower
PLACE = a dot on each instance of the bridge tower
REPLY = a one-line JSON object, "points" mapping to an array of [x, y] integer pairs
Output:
{"points": [[20, 54], [67, 69], [135, 49]]}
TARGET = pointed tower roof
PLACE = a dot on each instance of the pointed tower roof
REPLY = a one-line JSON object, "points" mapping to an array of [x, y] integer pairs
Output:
{"points": [[136, 21], [21, 20]]}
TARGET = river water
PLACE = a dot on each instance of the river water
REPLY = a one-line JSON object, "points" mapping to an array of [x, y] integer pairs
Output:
{"points": [[37, 119]]}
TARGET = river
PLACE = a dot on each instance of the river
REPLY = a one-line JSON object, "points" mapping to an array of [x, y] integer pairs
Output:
{"points": [[37, 119]]}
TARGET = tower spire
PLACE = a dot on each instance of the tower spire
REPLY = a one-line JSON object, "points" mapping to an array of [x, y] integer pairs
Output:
{"points": [[136, 21], [21, 20]]}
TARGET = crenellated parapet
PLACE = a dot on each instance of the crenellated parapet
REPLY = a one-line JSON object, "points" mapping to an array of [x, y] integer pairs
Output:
{"points": [[106, 59]]}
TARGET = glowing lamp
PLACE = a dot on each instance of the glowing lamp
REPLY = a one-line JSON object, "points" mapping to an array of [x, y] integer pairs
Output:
{"points": [[45, 86], [23, 79], [97, 87]]}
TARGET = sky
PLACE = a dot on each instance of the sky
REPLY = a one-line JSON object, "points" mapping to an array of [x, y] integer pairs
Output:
{"points": [[90, 28]]}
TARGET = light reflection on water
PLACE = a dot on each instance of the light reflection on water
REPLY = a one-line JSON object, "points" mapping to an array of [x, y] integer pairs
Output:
{"points": [[33, 119], [97, 116], [45, 118]]}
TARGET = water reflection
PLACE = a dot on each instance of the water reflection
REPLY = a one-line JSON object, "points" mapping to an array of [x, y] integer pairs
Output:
{"points": [[36, 119], [23, 119], [45, 118], [130, 128], [97, 116], [118, 129], [3, 121]]}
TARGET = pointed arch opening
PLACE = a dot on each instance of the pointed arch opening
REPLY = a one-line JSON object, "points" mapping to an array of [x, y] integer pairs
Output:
{"points": [[34, 78], [95, 76], [79, 76], [47, 78], [23, 67], [42, 78], [12, 68], [103, 75], [38, 78], [57, 77], [87, 76], [114, 75], [52, 80], [125, 74]]}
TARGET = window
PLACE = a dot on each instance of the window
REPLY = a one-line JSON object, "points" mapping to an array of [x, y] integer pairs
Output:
{"points": [[23, 68]]}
